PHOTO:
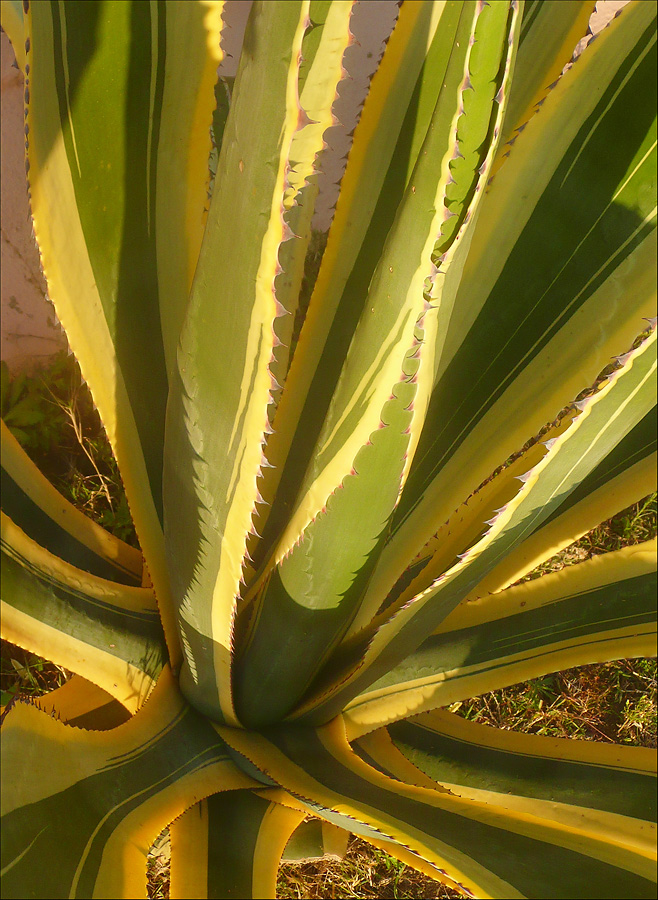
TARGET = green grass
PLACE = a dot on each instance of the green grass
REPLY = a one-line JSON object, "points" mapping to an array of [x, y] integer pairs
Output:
{"points": [[610, 702], [24, 673], [53, 417]]}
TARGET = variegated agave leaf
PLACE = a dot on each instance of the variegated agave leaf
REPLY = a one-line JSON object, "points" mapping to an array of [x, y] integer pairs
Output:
{"points": [[331, 542]]}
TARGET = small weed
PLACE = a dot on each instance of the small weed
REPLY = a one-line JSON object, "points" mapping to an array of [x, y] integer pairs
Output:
{"points": [[35, 418], [23, 673]]}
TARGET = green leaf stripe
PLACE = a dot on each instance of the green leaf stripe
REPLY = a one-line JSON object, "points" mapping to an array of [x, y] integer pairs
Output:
{"points": [[230, 845], [585, 251], [466, 758], [99, 792], [598, 623], [627, 396], [484, 849], [635, 447], [75, 35]]}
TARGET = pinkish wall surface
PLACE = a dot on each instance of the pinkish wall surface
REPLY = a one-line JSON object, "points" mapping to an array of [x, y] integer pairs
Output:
{"points": [[29, 333]]}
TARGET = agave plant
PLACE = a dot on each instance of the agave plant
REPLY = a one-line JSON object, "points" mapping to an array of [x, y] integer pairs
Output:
{"points": [[335, 499]]}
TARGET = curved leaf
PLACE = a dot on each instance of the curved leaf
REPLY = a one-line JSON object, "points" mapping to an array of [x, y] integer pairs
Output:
{"points": [[627, 396], [230, 845], [110, 202], [86, 824], [561, 286], [107, 632], [598, 610], [486, 849]]}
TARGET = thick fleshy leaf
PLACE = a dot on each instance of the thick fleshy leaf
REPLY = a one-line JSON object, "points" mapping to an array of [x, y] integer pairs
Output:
{"points": [[606, 417], [107, 632], [570, 776], [315, 839], [85, 824], [368, 439], [118, 211], [598, 610], [323, 72], [488, 850], [549, 33], [320, 74], [624, 477], [463, 529], [390, 131], [561, 286], [599, 789], [80, 703], [230, 845], [187, 71], [218, 408]]}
